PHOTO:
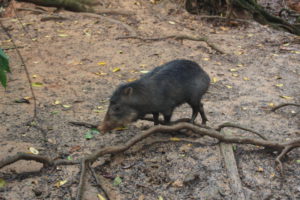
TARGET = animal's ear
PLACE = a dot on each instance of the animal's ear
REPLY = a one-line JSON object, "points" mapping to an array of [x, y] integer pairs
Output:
{"points": [[128, 91]]}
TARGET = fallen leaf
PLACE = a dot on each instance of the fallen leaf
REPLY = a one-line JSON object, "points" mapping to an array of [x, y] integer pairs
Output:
{"points": [[224, 28], [54, 112], [60, 183], [235, 74], [260, 169], [100, 73], [33, 150], [37, 84], [88, 135], [175, 139], [120, 52], [69, 158], [171, 22], [279, 85], [250, 35], [57, 102], [120, 128], [100, 197], [233, 70], [74, 148], [286, 97], [117, 181], [246, 79], [144, 72], [244, 108], [63, 35], [160, 198], [22, 100], [101, 63], [206, 59], [277, 77], [272, 175], [234, 147], [214, 80], [116, 69], [34, 76], [177, 183], [229, 86], [67, 106], [131, 79], [271, 104], [2, 183]]}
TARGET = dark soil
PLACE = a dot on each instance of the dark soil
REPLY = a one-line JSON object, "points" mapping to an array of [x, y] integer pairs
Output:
{"points": [[261, 66]]}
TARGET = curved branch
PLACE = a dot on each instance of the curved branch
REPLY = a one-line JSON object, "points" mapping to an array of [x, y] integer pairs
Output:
{"points": [[228, 124], [283, 105]]}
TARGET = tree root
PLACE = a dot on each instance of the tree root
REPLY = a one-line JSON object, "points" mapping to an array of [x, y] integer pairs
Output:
{"points": [[283, 147], [41, 159], [283, 105], [228, 124], [127, 27], [176, 37]]}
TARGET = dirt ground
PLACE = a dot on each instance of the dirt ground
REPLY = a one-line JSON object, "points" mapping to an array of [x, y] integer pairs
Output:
{"points": [[75, 62]]}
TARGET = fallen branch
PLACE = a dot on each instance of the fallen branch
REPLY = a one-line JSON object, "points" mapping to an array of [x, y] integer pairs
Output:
{"points": [[232, 170], [176, 37], [283, 105]]}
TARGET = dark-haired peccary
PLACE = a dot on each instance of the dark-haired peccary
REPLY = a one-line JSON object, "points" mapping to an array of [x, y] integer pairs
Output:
{"points": [[159, 91]]}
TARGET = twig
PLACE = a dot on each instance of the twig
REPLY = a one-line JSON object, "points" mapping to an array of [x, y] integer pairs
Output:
{"points": [[232, 170], [25, 68], [283, 105], [87, 125], [176, 37], [127, 27], [228, 124]]}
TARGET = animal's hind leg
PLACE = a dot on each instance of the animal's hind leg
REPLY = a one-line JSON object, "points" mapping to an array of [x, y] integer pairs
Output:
{"points": [[155, 118], [195, 113], [202, 113]]}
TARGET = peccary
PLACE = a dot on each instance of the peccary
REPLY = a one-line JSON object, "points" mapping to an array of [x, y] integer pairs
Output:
{"points": [[159, 91]]}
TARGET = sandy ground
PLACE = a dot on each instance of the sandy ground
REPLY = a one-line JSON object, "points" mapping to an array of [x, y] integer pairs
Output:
{"points": [[74, 61]]}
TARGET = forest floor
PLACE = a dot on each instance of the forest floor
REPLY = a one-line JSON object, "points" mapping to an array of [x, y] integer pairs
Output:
{"points": [[76, 62]]}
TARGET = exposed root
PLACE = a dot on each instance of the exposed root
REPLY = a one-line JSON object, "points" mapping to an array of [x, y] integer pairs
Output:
{"points": [[127, 27], [41, 159], [176, 37], [283, 105], [284, 148], [228, 124], [98, 181]]}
